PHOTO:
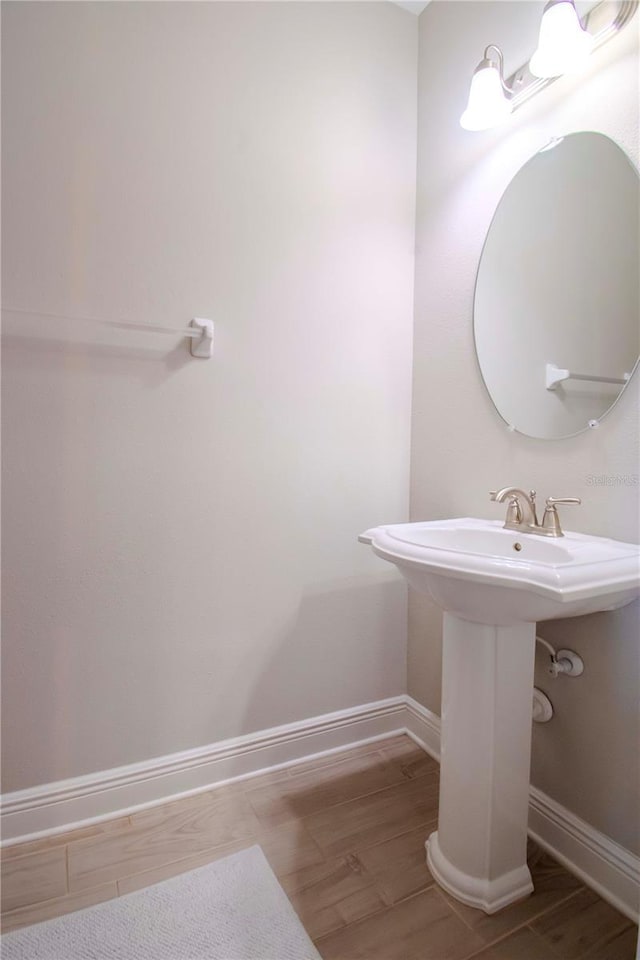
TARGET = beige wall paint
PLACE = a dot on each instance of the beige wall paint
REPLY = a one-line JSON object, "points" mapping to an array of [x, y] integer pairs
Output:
{"points": [[586, 758], [180, 535]]}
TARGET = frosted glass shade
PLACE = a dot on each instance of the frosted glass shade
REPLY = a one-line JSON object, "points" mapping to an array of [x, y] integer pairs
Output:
{"points": [[487, 104], [563, 46]]}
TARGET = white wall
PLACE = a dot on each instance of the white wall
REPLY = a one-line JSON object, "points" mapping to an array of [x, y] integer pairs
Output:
{"points": [[587, 757], [179, 535]]}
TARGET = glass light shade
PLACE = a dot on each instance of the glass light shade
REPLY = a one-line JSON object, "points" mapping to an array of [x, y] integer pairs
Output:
{"points": [[564, 46], [487, 105]]}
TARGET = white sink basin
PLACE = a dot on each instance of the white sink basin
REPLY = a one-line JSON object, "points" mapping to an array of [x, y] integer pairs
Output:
{"points": [[494, 584], [510, 577]]}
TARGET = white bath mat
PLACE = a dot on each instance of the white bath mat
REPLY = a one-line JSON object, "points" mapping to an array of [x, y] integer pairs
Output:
{"points": [[232, 909]]}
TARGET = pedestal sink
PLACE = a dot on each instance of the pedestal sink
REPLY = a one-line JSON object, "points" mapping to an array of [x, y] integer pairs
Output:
{"points": [[494, 584]]}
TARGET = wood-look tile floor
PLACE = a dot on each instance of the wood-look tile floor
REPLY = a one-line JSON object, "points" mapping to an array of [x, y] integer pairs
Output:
{"points": [[345, 837]]}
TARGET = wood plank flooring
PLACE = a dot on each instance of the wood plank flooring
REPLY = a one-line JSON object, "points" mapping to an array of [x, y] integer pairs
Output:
{"points": [[345, 837]]}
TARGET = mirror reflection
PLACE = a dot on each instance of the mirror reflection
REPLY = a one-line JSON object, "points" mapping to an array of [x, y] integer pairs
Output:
{"points": [[556, 311]]}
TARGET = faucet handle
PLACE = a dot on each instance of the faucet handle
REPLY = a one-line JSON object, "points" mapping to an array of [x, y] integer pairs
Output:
{"points": [[553, 500], [551, 521]]}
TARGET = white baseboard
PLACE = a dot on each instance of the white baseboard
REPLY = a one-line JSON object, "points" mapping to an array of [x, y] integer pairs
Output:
{"points": [[57, 807], [612, 871], [423, 727]]}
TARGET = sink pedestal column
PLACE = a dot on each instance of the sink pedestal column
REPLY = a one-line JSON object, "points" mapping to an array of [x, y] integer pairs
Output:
{"points": [[478, 853]]}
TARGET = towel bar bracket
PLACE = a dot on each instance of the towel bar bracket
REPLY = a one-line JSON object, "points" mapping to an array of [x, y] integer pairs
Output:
{"points": [[555, 375], [202, 338]]}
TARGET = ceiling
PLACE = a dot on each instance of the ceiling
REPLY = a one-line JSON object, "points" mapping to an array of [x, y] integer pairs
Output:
{"points": [[413, 6]]}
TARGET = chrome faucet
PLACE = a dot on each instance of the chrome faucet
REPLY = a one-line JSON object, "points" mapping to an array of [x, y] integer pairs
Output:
{"points": [[521, 512]]}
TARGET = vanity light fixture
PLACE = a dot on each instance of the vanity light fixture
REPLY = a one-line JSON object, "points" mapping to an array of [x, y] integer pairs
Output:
{"points": [[564, 47], [488, 104]]}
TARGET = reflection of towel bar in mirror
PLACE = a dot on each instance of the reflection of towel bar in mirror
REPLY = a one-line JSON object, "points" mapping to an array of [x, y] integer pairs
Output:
{"points": [[555, 375], [200, 333]]}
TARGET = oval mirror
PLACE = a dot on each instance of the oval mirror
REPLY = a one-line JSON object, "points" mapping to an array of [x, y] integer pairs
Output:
{"points": [[556, 310]]}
